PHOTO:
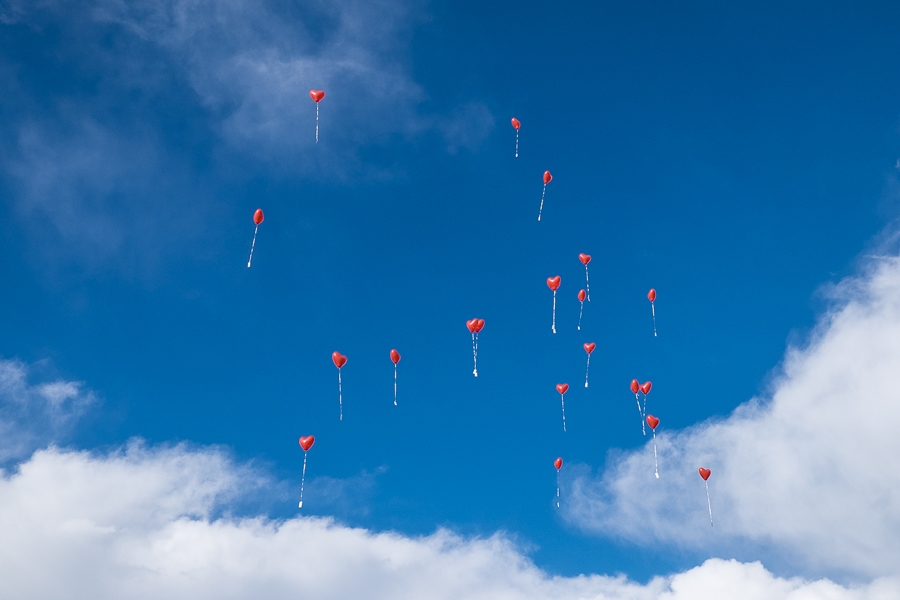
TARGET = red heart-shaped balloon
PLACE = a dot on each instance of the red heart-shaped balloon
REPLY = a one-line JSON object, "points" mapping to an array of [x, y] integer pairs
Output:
{"points": [[471, 324], [515, 123], [652, 421], [645, 387], [584, 258], [651, 295], [553, 282], [258, 216], [547, 177], [589, 347], [582, 295], [558, 463], [635, 386], [316, 94], [704, 473], [479, 325], [562, 388], [339, 359], [395, 356], [306, 442]]}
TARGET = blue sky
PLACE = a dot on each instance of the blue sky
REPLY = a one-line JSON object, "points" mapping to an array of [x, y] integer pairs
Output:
{"points": [[734, 158]]}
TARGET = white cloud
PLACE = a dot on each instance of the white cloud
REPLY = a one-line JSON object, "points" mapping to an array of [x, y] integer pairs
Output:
{"points": [[139, 523], [807, 475]]}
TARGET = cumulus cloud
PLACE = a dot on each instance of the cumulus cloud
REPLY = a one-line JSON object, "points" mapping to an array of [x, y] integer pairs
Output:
{"points": [[140, 523], [806, 475], [33, 414]]}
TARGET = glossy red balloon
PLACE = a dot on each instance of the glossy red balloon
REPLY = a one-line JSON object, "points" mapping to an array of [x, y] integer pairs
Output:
{"points": [[471, 324], [306, 442], [582, 295], [651, 295], [258, 216], [589, 347], [704, 473], [562, 388], [316, 94], [645, 387], [558, 463], [584, 258], [515, 123], [479, 325], [339, 359], [395, 356], [652, 421], [635, 386], [553, 282], [547, 177]]}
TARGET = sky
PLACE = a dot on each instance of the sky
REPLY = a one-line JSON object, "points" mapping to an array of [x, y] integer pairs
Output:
{"points": [[744, 161]]}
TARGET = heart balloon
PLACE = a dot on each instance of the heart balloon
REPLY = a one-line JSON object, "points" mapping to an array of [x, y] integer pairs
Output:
{"points": [[471, 324], [645, 387], [635, 386], [584, 258], [562, 388], [316, 94], [558, 463], [704, 473], [515, 123], [553, 282], [306, 442], [258, 216], [651, 295], [547, 177], [589, 347], [479, 325], [582, 295], [652, 422], [395, 356], [339, 359]]}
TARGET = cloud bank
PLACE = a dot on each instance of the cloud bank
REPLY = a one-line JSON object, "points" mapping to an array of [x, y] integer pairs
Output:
{"points": [[806, 475], [138, 523]]}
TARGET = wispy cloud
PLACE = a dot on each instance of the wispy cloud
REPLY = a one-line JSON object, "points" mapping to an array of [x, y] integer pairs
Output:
{"points": [[806, 476], [138, 523]]}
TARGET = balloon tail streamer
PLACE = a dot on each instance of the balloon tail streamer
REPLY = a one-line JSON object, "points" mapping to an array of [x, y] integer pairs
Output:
{"points": [[302, 478], [557, 488], [653, 310], [563, 397], [553, 324], [475, 355], [587, 281], [708, 503], [541, 209], [517, 143], [395, 385], [640, 412], [317, 122], [252, 246], [654, 454], [340, 395], [587, 370], [580, 312]]}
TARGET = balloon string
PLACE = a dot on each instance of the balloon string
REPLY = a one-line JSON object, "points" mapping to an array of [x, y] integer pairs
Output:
{"points": [[654, 454], [644, 412], [587, 281], [557, 488], [302, 478], [317, 122], [541, 209], [640, 412], [587, 370], [340, 395], [580, 312], [475, 356], [395, 385], [553, 324], [563, 397], [252, 246], [708, 503], [517, 143], [653, 310]]}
